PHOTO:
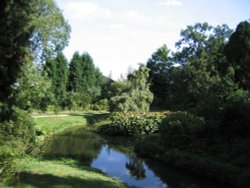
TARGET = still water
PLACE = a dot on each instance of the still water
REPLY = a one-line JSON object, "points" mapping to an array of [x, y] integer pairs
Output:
{"points": [[115, 157]]}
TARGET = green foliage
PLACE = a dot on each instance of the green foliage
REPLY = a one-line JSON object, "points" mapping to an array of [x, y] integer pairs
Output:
{"points": [[79, 101], [179, 129], [134, 94], [84, 76], [101, 105], [159, 64], [8, 153], [32, 90], [36, 31], [19, 126], [16, 136], [235, 115], [132, 123], [57, 71], [238, 54]]}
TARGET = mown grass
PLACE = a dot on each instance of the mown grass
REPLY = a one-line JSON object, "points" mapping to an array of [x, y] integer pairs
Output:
{"points": [[51, 124], [62, 173]]}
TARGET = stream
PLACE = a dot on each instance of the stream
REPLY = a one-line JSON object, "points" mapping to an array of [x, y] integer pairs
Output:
{"points": [[115, 157]]}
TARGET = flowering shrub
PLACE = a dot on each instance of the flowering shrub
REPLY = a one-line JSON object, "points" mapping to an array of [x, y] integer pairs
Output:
{"points": [[133, 123]]}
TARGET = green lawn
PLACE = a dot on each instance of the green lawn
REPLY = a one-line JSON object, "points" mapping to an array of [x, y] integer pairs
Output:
{"points": [[62, 173], [52, 123]]}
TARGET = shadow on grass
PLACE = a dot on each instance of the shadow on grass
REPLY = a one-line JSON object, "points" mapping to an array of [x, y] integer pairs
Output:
{"points": [[95, 117], [48, 181]]}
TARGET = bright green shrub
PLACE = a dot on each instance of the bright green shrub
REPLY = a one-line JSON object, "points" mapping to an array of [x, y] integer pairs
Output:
{"points": [[180, 128], [102, 104], [19, 127], [132, 123], [8, 152], [16, 135]]}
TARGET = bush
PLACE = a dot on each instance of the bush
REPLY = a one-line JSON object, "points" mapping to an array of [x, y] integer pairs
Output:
{"points": [[16, 135], [179, 129], [8, 152], [20, 126], [102, 104], [235, 117], [133, 123]]}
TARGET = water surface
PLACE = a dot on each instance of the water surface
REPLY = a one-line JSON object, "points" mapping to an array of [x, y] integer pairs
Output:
{"points": [[115, 157]]}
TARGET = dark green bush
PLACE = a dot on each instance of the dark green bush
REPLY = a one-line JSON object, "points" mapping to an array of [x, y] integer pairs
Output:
{"points": [[179, 129], [235, 117], [133, 123]]}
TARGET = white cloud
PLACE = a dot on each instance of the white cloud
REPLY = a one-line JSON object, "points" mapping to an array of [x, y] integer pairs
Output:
{"points": [[172, 3], [86, 11]]}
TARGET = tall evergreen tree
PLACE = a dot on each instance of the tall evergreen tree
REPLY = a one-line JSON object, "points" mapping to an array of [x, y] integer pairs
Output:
{"points": [[238, 54], [75, 73], [57, 71]]}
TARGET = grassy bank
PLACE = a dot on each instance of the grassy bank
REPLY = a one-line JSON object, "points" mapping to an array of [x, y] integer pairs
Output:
{"points": [[39, 172], [62, 173]]}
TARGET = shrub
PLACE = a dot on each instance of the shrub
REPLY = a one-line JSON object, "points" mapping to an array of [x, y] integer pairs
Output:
{"points": [[20, 126], [235, 117], [8, 152], [101, 105], [133, 123], [179, 129]]}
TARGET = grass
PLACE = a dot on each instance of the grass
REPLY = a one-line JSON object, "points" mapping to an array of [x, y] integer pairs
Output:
{"points": [[62, 173], [50, 125]]}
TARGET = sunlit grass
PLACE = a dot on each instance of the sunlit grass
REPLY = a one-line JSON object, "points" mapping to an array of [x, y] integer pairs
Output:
{"points": [[62, 173], [56, 124]]}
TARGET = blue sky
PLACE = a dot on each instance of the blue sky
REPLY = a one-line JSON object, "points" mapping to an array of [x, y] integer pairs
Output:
{"points": [[119, 34]]}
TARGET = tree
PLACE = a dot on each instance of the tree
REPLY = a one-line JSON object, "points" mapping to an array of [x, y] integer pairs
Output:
{"points": [[28, 28], [159, 64], [57, 71], [135, 95], [32, 89], [238, 54], [85, 80], [200, 57], [75, 73]]}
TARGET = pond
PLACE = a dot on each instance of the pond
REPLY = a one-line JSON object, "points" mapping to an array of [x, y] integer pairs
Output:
{"points": [[115, 157]]}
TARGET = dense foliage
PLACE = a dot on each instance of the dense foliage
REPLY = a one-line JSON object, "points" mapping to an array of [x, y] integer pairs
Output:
{"points": [[133, 123], [134, 94], [31, 31], [180, 129], [208, 78]]}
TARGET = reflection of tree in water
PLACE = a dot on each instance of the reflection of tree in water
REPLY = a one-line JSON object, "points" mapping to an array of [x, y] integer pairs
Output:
{"points": [[84, 146], [136, 168]]}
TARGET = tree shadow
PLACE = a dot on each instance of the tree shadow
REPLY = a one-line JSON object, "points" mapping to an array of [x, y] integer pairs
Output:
{"points": [[50, 181]]}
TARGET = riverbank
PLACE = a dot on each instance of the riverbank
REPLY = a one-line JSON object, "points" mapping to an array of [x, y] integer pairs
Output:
{"points": [[203, 165], [38, 171]]}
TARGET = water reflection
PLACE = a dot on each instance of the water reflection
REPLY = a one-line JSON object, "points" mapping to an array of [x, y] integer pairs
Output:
{"points": [[135, 167], [115, 157], [84, 147]]}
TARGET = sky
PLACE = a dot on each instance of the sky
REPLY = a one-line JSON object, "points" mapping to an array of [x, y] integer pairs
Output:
{"points": [[120, 34]]}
